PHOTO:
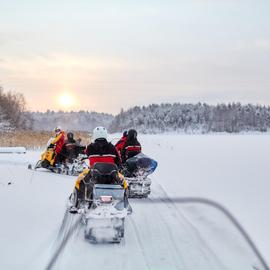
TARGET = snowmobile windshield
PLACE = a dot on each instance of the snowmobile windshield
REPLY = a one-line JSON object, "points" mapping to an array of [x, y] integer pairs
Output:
{"points": [[115, 191], [162, 233], [50, 141]]}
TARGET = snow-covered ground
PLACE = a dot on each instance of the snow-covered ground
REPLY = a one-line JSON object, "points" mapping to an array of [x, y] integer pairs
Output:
{"points": [[229, 169]]}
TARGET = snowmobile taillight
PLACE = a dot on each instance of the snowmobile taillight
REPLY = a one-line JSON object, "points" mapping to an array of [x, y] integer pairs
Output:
{"points": [[106, 199]]}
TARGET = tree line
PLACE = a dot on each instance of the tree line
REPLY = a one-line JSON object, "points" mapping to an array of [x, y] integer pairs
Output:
{"points": [[155, 118], [194, 118], [13, 111]]}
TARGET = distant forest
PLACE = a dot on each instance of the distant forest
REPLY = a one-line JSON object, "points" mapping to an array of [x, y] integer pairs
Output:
{"points": [[79, 121], [194, 118], [155, 118]]}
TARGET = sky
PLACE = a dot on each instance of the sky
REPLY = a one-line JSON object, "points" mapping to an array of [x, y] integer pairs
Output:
{"points": [[105, 55]]}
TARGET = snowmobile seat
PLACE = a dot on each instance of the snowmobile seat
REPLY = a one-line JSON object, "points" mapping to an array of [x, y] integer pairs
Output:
{"points": [[140, 162], [132, 151], [105, 173]]}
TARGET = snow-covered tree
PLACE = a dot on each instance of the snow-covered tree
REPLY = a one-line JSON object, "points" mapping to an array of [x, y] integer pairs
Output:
{"points": [[194, 118], [80, 121]]}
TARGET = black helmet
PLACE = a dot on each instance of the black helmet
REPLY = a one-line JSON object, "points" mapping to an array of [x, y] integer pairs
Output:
{"points": [[70, 136], [132, 134], [125, 133]]}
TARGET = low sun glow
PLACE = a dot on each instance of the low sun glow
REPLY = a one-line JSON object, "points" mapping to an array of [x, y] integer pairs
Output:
{"points": [[66, 100]]}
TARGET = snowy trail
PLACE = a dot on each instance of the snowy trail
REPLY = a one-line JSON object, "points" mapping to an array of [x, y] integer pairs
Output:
{"points": [[159, 235], [230, 169], [150, 238]]}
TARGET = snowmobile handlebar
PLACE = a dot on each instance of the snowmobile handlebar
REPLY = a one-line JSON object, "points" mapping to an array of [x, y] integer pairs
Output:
{"points": [[82, 158], [51, 146]]}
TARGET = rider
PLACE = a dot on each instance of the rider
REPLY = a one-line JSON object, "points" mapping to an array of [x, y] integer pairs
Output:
{"points": [[102, 150], [58, 143], [132, 147], [120, 144], [99, 151], [71, 148]]}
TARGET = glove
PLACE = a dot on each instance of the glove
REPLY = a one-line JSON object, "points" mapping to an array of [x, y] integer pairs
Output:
{"points": [[120, 167]]}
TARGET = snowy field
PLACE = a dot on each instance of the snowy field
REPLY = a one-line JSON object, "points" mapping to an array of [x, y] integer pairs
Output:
{"points": [[232, 170]]}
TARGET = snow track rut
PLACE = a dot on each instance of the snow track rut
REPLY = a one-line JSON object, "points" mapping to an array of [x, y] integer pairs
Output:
{"points": [[157, 236]]}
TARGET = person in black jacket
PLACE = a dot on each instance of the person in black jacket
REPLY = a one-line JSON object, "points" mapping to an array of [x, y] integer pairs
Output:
{"points": [[100, 151], [132, 146], [71, 148]]}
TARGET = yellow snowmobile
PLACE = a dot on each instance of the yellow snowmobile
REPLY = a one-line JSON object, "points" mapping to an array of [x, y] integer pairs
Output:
{"points": [[47, 157]]}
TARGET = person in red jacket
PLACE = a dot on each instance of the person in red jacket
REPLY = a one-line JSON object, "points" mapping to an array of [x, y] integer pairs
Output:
{"points": [[132, 147], [101, 150], [58, 142], [120, 144]]}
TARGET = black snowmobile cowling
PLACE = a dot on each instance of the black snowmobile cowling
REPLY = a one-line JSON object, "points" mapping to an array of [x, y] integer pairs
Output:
{"points": [[141, 164], [104, 173]]}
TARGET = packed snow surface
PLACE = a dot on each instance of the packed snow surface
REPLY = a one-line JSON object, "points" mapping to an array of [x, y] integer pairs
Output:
{"points": [[9, 150], [231, 170]]}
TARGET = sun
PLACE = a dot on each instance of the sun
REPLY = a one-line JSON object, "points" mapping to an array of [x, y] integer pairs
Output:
{"points": [[66, 100]]}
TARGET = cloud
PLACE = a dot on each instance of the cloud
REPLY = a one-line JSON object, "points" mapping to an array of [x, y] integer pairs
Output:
{"points": [[7, 38], [258, 44], [263, 44], [58, 65]]}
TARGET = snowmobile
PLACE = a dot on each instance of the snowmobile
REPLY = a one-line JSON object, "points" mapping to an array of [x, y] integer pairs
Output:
{"points": [[75, 166], [136, 171], [47, 158], [72, 167], [105, 208], [104, 222]]}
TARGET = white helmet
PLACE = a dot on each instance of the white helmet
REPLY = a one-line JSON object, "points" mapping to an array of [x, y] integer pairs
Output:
{"points": [[100, 133], [57, 130]]}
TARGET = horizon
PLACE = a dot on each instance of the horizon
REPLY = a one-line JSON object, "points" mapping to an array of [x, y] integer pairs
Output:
{"points": [[159, 104]]}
